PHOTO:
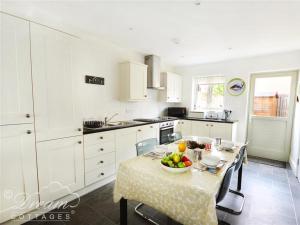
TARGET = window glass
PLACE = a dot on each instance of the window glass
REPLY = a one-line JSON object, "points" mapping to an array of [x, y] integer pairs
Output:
{"points": [[208, 93], [271, 96]]}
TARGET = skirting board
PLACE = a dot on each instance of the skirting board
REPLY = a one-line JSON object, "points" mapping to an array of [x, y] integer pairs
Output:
{"points": [[293, 167], [68, 198]]}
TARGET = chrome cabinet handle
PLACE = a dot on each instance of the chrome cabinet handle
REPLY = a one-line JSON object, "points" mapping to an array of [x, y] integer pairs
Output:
{"points": [[100, 150], [100, 162], [28, 132]]}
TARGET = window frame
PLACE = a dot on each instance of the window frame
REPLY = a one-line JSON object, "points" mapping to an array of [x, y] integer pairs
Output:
{"points": [[194, 92]]}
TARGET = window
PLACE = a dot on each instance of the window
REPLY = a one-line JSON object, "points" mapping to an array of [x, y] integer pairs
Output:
{"points": [[208, 93], [271, 96]]}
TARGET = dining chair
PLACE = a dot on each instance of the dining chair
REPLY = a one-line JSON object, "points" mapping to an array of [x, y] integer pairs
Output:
{"points": [[174, 137], [143, 147], [237, 166], [146, 146]]}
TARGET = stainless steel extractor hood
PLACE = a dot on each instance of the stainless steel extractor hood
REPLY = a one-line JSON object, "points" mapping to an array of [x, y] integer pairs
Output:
{"points": [[153, 72]]}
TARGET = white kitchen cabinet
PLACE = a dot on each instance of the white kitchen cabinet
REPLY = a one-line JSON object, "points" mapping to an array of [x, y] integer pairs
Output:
{"points": [[173, 84], [200, 128], [60, 166], [133, 82], [16, 89], [55, 99], [100, 156], [147, 131], [18, 172], [226, 131], [125, 144], [184, 127]]}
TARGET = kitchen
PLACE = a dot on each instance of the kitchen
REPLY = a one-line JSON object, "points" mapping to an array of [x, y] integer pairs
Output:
{"points": [[67, 83]]}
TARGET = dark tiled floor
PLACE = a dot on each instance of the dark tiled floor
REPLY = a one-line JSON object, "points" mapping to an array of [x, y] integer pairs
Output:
{"points": [[272, 198]]}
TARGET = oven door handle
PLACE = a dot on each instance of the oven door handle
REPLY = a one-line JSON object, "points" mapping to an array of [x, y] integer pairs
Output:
{"points": [[166, 128]]}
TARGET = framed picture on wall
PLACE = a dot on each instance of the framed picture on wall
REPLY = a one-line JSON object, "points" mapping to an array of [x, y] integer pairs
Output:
{"points": [[236, 86]]}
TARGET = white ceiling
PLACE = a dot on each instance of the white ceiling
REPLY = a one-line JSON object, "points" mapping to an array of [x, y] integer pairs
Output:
{"points": [[181, 32]]}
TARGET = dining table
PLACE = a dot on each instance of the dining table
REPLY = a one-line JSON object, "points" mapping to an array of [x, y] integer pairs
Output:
{"points": [[188, 198]]}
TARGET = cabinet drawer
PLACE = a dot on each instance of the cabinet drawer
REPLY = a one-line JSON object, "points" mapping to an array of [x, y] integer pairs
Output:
{"points": [[102, 160], [98, 149], [99, 174], [101, 137]]}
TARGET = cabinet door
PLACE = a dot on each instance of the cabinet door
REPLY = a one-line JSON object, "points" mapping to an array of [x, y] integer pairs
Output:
{"points": [[18, 172], [60, 166], [125, 145], [138, 82], [186, 127], [200, 129], [221, 130], [179, 88], [146, 132], [170, 87], [56, 112], [177, 126], [16, 89]]}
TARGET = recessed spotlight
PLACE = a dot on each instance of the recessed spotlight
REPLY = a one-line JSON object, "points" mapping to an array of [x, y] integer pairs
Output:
{"points": [[182, 56], [176, 41], [130, 28], [197, 3], [229, 49]]}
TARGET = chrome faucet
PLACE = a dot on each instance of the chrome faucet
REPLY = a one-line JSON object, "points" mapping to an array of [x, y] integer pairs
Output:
{"points": [[106, 119]]}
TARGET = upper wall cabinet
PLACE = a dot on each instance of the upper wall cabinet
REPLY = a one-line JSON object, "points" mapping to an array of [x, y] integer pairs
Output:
{"points": [[55, 101], [173, 84], [16, 90], [133, 83]]}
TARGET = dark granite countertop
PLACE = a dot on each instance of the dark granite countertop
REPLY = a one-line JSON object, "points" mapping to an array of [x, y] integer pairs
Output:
{"points": [[108, 128], [209, 120]]}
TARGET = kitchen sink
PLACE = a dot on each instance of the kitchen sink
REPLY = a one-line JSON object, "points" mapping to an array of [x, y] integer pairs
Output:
{"points": [[122, 123]]}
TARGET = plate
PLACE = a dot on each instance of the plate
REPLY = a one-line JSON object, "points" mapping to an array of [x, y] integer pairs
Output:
{"points": [[175, 170], [211, 160]]}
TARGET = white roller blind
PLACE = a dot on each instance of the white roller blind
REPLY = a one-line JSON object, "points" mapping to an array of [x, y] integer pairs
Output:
{"points": [[209, 80]]}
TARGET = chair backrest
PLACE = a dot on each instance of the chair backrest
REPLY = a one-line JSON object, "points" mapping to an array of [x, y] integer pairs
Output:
{"points": [[174, 136], [146, 146], [225, 183], [240, 157]]}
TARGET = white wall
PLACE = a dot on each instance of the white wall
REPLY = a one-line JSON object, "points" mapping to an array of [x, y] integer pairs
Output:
{"points": [[102, 59], [295, 145], [242, 68]]}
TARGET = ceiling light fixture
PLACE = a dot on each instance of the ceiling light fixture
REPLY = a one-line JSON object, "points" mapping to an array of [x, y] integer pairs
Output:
{"points": [[176, 41], [197, 3]]}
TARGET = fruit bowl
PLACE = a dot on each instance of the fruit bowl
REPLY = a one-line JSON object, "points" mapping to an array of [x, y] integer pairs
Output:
{"points": [[176, 163], [175, 170]]}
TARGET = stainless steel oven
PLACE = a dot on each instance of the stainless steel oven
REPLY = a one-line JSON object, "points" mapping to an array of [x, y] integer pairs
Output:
{"points": [[165, 128]]}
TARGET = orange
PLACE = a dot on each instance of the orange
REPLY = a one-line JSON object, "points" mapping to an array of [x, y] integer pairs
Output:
{"points": [[182, 146]]}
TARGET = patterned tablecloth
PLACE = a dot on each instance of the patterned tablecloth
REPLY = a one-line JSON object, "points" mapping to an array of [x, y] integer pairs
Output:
{"points": [[189, 198]]}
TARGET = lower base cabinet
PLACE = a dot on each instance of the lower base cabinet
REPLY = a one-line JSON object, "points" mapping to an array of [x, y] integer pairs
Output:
{"points": [[100, 156], [18, 172], [125, 144], [61, 167]]}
